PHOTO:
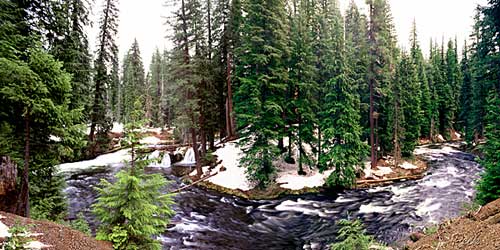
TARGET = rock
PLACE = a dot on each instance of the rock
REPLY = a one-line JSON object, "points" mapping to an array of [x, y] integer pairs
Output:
{"points": [[416, 236], [222, 169]]}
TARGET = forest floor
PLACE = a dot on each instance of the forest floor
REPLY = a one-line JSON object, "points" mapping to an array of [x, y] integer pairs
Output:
{"points": [[477, 230], [51, 236]]}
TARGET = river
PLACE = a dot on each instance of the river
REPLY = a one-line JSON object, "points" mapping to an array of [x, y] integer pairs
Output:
{"points": [[208, 220]]}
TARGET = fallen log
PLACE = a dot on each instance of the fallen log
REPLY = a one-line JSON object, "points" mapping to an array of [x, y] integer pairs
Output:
{"points": [[194, 183], [407, 177]]}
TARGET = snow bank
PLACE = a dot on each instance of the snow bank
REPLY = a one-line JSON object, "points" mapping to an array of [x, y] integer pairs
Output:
{"points": [[4, 230], [296, 182], [150, 140], [234, 176], [117, 127], [406, 165], [381, 171], [102, 160]]}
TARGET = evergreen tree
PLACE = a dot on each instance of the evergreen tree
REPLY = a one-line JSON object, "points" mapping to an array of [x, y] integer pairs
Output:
{"points": [[453, 80], [489, 186], [356, 36], [383, 52], [100, 122], [133, 81], [156, 91], [301, 102], [133, 209], [115, 91], [327, 31], [466, 98], [188, 29], [486, 73], [72, 50], [35, 92], [425, 98], [262, 76], [407, 107]]}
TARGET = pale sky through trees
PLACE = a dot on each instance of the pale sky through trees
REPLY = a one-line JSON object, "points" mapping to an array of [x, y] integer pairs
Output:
{"points": [[144, 20]]}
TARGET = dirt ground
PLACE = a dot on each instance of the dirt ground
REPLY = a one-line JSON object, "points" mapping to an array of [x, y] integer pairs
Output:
{"points": [[58, 236], [478, 230]]}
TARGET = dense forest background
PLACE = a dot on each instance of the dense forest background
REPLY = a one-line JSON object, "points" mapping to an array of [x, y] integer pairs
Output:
{"points": [[276, 74]]}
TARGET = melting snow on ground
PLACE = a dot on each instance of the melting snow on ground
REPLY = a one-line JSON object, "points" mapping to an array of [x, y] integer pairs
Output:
{"points": [[407, 165], [296, 182], [150, 140], [4, 233], [234, 176], [102, 160]]}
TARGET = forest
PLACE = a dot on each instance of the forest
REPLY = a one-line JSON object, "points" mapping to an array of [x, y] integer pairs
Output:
{"points": [[273, 75]]}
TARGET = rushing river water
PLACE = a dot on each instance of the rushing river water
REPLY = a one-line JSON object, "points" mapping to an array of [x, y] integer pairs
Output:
{"points": [[208, 220]]}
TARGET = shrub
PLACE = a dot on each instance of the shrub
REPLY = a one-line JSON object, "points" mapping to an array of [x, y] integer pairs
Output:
{"points": [[352, 236]]}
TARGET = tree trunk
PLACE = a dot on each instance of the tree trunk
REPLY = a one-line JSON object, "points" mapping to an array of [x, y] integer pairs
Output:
{"points": [[8, 185], [371, 83], [319, 148], [230, 126], [199, 171], [23, 206]]}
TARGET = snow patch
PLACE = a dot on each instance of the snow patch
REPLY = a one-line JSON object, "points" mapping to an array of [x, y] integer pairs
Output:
{"points": [[54, 138], [33, 245], [297, 182], [102, 160], [150, 140], [406, 165], [234, 176], [117, 127], [4, 230], [381, 171]]}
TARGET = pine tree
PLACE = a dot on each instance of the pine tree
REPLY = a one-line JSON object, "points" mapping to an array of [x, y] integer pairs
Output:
{"points": [[453, 80], [356, 36], [383, 52], [100, 122], [486, 73], [156, 91], [466, 98], [424, 91], [133, 81], [301, 104], [188, 29], [35, 92], [489, 185], [72, 50], [133, 209], [407, 107], [262, 76]]}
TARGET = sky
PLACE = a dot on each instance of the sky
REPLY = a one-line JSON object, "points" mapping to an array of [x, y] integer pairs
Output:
{"points": [[145, 21]]}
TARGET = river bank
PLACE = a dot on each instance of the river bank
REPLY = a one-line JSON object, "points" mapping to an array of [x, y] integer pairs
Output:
{"points": [[206, 219], [228, 177]]}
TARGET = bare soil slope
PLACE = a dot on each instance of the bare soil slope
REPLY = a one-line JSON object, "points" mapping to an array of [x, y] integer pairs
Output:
{"points": [[58, 236], [479, 230]]}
